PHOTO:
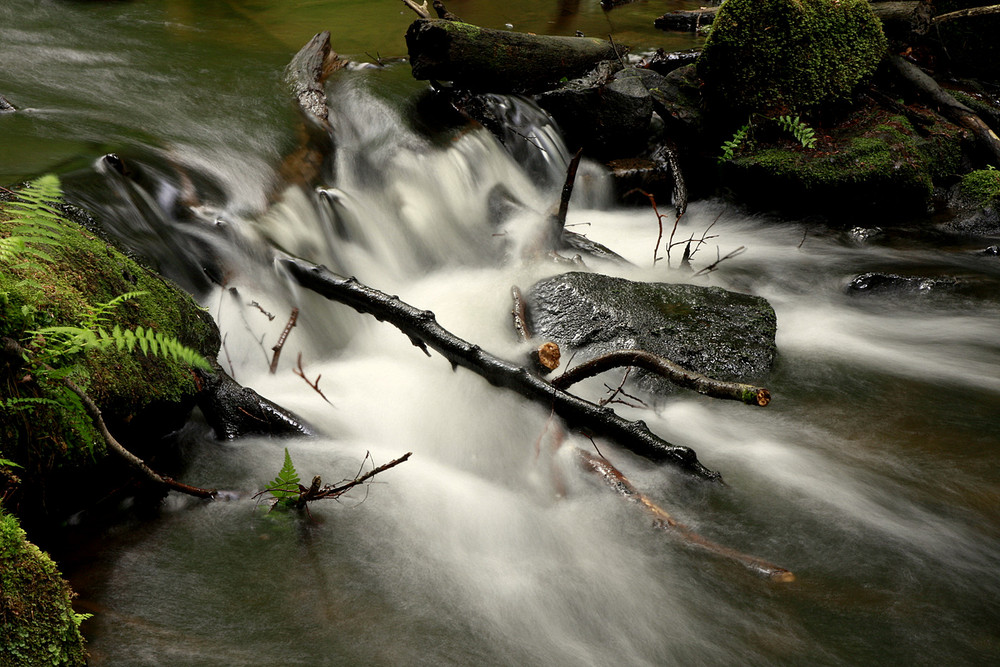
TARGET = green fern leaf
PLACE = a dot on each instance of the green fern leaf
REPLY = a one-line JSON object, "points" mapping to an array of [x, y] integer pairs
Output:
{"points": [[286, 485]]}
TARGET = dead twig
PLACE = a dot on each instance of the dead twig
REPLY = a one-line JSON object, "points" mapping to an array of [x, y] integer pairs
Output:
{"points": [[281, 339], [341, 489], [256, 305], [419, 10], [719, 260], [312, 383]]}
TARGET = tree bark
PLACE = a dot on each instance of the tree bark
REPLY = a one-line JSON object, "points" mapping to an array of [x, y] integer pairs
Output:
{"points": [[423, 331], [948, 106], [499, 61]]}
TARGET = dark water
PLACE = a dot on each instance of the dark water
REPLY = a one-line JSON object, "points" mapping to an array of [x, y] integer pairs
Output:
{"points": [[871, 475]]}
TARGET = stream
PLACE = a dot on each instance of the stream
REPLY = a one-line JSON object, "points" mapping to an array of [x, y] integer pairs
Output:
{"points": [[872, 475]]}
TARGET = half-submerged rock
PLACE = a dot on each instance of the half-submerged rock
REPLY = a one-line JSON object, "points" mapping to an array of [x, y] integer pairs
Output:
{"points": [[723, 334]]}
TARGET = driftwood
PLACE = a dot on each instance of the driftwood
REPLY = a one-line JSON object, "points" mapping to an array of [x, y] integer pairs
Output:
{"points": [[663, 520], [682, 377], [498, 61], [421, 327], [306, 74], [922, 84]]}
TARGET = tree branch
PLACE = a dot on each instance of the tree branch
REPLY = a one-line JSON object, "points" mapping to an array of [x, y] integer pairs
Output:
{"points": [[663, 520], [735, 391], [423, 330]]}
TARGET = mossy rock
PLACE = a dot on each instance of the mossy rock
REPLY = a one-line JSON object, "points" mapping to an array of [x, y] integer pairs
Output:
{"points": [[872, 164], [135, 392], [36, 614], [982, 187], [780, 56], [976, 204], [723, 334]]}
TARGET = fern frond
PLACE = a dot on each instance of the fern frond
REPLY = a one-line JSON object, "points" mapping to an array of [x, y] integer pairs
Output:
{"points": [[804, 134], [70, 340], [286, 485], [98, 314], [730, 147]]}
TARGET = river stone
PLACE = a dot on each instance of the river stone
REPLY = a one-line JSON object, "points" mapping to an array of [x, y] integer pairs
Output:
{"points": [[726, 335]]}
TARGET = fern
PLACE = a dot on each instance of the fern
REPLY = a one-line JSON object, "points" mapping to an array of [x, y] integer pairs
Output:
{"points": [[804, 134], [68, 340], [285, 487], [730, 147], [35, 223]]}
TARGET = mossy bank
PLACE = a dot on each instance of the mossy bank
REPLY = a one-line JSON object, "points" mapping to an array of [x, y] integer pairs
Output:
{"points": [[36, 614]]}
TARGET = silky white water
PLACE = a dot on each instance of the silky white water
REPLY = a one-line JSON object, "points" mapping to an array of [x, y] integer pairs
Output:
{"points": [[871, 475]]}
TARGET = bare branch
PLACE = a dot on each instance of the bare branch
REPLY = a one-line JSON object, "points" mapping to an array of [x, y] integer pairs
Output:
{"points": [[281, 339], [663, 520], [735, 391], [314, 384], [419, 10]]}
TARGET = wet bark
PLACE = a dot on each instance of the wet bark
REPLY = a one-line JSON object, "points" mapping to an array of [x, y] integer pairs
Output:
{"points": [[499, 61], [421, 327]]}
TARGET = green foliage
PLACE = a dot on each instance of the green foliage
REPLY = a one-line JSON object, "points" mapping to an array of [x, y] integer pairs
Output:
{"points": [[38, 621], [982, 186], [52, 272], [70, 340], [285, 487], [771, 56], [804, 134], [730, 147]]}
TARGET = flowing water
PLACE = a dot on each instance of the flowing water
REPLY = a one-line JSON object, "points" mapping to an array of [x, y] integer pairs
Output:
{"points": [[872, 474]]}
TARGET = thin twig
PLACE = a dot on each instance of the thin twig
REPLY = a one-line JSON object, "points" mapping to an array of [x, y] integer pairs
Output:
{"points": [[334, 491], [256, 305], [314, 384], [281, 339], [714, 265]]}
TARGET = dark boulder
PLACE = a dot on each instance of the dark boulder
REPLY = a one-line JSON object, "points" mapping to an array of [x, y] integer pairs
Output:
{"points": [[723, 334]]}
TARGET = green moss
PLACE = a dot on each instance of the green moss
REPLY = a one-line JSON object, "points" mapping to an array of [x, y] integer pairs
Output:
{"points": [[37, 617], [870, 164], [775, 56], [982, 187], [84, 272]]}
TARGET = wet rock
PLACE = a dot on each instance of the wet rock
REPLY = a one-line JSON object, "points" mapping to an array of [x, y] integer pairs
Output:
{"points": [[5, 106], [608, 112], [875, 282], [992, 251], [233, 411], [723, 334]]}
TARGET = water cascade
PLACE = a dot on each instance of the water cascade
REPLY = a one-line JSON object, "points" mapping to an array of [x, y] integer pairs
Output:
{"points": [[870, 475]]}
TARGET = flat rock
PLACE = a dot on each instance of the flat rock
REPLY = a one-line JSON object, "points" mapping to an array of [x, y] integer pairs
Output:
{"points": [[726, 335]]}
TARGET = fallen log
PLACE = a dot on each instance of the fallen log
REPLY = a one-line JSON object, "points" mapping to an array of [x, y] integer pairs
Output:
{"points": [[421, 327], [691, 20], [498, 61], [922, 84]]}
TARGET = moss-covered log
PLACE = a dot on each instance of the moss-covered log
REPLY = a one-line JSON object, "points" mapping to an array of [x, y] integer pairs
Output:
{"points": [[499, 61]]}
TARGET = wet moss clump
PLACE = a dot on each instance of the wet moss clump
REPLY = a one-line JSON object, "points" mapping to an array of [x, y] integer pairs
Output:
{"points": [[36, 614], [982, 187], [781, 56]]}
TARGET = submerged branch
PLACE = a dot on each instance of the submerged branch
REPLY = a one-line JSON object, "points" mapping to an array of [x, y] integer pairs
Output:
{"points": [[421, 327], [682, 377], [663, 520]]}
